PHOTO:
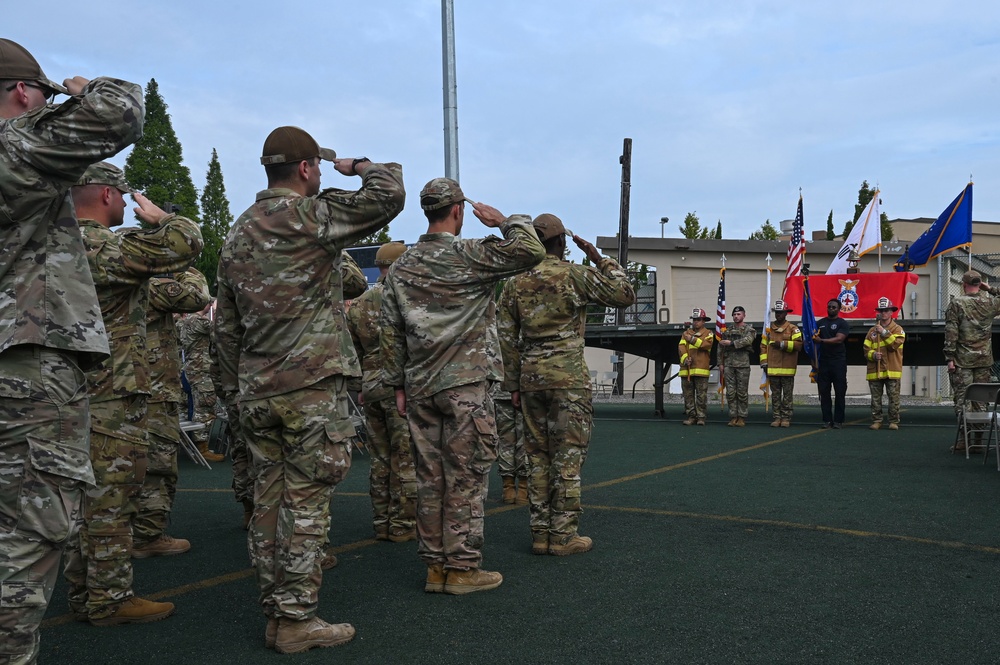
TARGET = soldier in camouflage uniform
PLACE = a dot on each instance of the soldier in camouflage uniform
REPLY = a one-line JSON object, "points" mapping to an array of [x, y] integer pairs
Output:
{"points": [[884, 353], [968, 337], [779, 356], [694, 352], [283, 345], [512, 459], [734, 363], [541, 325], [440, 353], [194, 331], [393, 481], [179, 292], [99, 562], [53, 329]]}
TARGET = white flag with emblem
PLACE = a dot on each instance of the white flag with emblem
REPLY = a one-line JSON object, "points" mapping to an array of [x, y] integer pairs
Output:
{"points": [[865, 236]]}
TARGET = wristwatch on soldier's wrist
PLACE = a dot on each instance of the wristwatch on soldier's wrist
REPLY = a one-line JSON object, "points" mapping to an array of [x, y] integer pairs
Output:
{"points": [[354, 164]]}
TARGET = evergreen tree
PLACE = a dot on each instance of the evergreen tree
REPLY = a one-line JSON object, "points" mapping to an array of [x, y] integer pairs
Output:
{"points": [[865, 195], [380, 237], [154, 166], [765, 232], [830, 235], [718, 231], [692, 228], [216, 220]]}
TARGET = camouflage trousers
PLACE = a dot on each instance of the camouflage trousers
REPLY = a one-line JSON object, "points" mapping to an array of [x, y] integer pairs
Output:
{"points": [[203, 397], [738, 391], [782, 393], [99, 563], [156, 498], [239, 453], [512, 458], [695, 390], [301, 447], [393, 478], [557, 426], [962, 378], [44, 466], [455, 443], [891, 387]]}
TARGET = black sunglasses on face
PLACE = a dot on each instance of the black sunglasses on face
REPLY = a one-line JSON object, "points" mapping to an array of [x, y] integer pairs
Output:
{"points": [[50, 95]]}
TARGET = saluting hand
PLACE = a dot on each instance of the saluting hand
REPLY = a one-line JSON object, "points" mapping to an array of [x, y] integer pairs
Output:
{"points": [[488, 215], [589, 250], [147, 211]]}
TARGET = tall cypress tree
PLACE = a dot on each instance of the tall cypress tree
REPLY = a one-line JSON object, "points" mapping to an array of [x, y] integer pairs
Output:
{"points": [[154, 166], [216, 220]]}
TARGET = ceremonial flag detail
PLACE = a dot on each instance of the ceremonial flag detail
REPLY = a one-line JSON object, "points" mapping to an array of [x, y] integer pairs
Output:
{"points": [[865, 236], [809, 329], [720, 327], [796, 247], [951, 230], [858, 293]]}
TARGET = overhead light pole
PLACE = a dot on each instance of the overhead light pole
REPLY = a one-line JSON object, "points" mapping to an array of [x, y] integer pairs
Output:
{"points": [[663, 223]]}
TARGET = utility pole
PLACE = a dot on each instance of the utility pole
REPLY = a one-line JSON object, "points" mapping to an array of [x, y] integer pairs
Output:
{"points": [[450, 90], [626, 161]]}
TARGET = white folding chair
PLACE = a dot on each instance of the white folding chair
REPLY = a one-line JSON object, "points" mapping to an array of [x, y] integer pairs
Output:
{"points": [[593, 380], [188, 445], [973, 420], [606, 381]]}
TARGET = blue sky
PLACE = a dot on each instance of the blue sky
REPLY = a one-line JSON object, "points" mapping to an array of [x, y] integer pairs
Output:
{"points": [[731, 106]]}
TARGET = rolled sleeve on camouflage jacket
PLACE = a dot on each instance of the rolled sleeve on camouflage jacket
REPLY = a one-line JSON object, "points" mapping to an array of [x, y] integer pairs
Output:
{"points": [[45, 283], [274, 335], [434, 334], [542, 320]]}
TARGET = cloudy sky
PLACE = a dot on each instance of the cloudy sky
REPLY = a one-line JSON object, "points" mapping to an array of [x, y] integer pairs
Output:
{"points": [[732, 106]]}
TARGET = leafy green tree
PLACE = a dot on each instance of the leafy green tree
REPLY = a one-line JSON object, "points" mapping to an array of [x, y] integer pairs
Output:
{"points": [[155, 167], [865, 195], [380, 237], [718, 231], [216, 220], [765, 232], [692, 228], [830, 235]]}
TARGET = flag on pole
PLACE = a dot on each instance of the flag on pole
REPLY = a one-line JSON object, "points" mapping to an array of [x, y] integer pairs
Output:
{"points": [[809, 329], [865, 236], [796, 249], [720, 327], [953, 229], [765, 383]]}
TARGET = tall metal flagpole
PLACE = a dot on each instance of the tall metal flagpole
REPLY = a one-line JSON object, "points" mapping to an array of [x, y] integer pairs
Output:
{"points": [[450, 90], [623, 214]]}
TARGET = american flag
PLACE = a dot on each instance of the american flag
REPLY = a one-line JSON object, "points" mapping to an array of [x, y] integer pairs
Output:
{"points": [[796, 247], [720, 308]]}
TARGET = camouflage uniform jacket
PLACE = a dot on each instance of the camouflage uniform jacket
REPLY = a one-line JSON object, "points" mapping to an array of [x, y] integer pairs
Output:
{"points": [[737, 355], [891, 348], [696, 344], [542, 317], [355, 282], [438, 311], [121, 264], [363, 322], [47, 295], [280, 324], [968, 329], [184, 292], [195, 334]]}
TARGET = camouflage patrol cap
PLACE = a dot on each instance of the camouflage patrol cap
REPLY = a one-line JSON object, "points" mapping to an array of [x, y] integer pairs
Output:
{"points": [[972, 278], [290, 144], [548, 226], [388, 253], [885, 305], [441, 192], [103, 173], [17, 64]]}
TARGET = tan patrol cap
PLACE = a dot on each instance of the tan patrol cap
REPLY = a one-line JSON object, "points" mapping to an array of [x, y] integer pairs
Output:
{"points": [[548, 226], [971, 277], [441, 192], [388, 253], [16, 64], [290, 144], [103, 173]]}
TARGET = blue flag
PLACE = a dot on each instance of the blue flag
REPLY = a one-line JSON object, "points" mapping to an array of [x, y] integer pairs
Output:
{"points": [[952, 229], [809, 328]]}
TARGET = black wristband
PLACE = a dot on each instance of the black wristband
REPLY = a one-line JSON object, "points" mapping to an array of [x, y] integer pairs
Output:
{"points": [[354, 164]]}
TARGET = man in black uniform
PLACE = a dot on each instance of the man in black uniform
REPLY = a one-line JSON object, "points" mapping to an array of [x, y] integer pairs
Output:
{"points": [[831, 335]]}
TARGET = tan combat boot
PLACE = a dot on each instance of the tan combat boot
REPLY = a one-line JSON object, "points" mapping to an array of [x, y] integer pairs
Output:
{"points": [[136, 610], [688, 421], [403, 536], [575, 545], [208, 454], [539, 543], [786, 423], [741, 422], [435, 578], [162, 546], [509, 489], [298, 636], [329, 559], [271, 632], [893, 426], [521, 498], [877, 425], [731, 423], [776, 422], [461, 582], [701, 422]]}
